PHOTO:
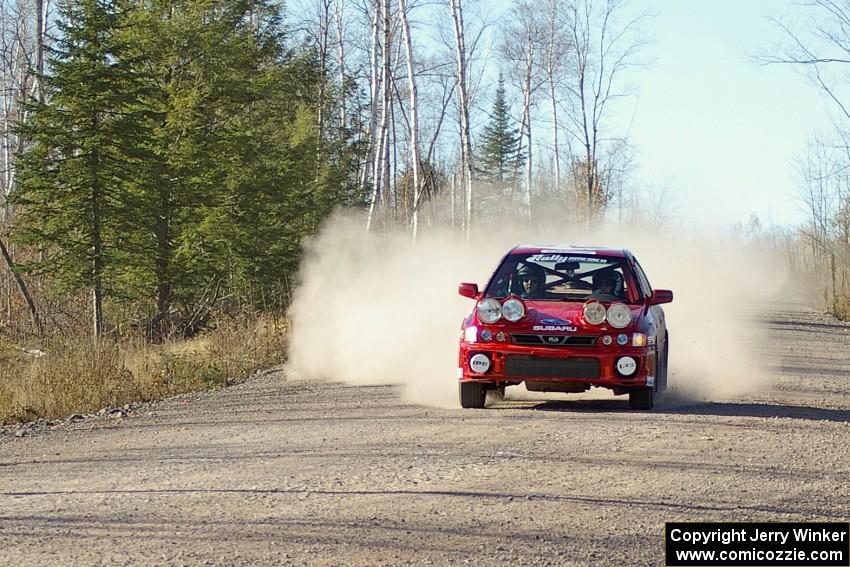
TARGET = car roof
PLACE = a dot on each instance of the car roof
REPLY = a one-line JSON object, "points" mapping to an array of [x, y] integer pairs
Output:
{"points": [[570, 249]]}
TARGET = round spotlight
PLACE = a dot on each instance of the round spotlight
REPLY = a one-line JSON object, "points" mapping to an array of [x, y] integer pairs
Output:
{"points": [[486, 335], [513, 310], [622, 339], [619, 316], [626, 365], [489, 310], [594, 312], [500, 336], [479, 363], [607, 340]]}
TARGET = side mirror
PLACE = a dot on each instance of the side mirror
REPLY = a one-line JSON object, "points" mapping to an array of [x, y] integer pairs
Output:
{"points": [[660, 296], [468, 290]]}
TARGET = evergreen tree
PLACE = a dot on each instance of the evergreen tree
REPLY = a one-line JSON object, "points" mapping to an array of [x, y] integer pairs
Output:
{"points": [[179, 153], [242, 177], [501, 157], [79, 179]]}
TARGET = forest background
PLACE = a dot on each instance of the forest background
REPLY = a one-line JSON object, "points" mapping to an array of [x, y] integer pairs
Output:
{"points": [[162, 164]]}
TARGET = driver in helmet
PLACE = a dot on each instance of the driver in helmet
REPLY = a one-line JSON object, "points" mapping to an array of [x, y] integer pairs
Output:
{"points": [[607, 286], [532, 281]]}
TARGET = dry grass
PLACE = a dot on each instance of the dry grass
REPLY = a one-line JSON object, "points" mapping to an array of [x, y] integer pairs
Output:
{"points": [[78, 376]]}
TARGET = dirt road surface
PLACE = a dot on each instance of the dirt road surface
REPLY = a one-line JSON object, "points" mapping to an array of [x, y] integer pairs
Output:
{"points": [[282, 472]]}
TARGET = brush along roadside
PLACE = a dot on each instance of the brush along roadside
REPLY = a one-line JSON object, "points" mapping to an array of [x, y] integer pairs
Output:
{"points": [[74, 376]]}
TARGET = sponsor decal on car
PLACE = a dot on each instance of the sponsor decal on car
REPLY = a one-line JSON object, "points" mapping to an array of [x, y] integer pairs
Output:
{"points": [[546, 258], [564, 328], [555, 321], [557, 258]]}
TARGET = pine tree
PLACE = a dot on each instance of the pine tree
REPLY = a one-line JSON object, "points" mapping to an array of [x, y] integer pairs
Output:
{"points": [[79, 179], [501, 157], [239, 179]]}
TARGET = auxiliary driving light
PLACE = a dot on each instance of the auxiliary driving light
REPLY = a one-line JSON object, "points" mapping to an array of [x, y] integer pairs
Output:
{"points": [[607, 340], [489, 310], [626, 365], [486, 335], [619, 316], [500, 336], [479, 363], [622, 339], [513, 310], [594, 312]]}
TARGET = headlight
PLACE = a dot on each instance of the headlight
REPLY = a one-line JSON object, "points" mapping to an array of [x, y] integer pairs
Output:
{"points": [[513, 310], [594, 312], [619, 315], [489, 310]]}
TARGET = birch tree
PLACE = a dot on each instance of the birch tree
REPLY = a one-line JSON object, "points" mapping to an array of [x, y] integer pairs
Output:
{"points": [[463, 110], [414, 118], [602, 48], [22, 49], [521, 49], [340, 25], [379, 139], [556, 45]]}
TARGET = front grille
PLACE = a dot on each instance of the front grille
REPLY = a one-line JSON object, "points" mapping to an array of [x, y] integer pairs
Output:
{"points": [[554, 340], [576, 367]]}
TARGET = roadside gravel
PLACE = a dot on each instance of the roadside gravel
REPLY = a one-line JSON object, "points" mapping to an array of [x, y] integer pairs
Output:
{"points": [[274, 471]]}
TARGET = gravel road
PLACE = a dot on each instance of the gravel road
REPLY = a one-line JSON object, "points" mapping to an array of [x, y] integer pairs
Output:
{"points": [[275, 471]]}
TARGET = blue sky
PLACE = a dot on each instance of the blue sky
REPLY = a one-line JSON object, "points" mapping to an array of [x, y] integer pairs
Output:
{"points": [[719, 129]]}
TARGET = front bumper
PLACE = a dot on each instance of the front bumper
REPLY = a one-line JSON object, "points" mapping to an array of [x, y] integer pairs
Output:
{"points": [[591, 366]]}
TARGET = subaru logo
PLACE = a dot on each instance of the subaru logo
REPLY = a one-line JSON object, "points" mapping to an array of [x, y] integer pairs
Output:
{"points": [[553, 340], [554, 322]]}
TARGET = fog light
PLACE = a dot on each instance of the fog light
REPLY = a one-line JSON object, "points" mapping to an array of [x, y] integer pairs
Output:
{"points": [[486, 335], [622, 339], [607, 340], [500, 336], [626, 365], [479, 363]]}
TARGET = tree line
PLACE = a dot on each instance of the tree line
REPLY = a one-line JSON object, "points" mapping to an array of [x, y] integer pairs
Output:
{"points": [[819, 253], [173, 155], [163, 157]]}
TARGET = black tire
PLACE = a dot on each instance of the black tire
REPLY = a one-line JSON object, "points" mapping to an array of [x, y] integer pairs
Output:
{"points": [[472, 395], [641, 399], [662, 376]]}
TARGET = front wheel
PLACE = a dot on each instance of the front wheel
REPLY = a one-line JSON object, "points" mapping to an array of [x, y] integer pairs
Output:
{"points": [[664, 372], [641, 399], [472, 395]]}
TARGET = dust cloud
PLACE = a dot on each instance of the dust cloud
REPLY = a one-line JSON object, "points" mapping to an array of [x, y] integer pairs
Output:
{"points": [[377, 308]]}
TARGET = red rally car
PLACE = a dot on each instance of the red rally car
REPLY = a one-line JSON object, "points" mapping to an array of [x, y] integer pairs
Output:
{"points": [[563, 319]]}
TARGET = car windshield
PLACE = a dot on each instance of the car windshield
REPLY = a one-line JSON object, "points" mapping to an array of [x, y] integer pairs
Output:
{"points": [[558, 276]]}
